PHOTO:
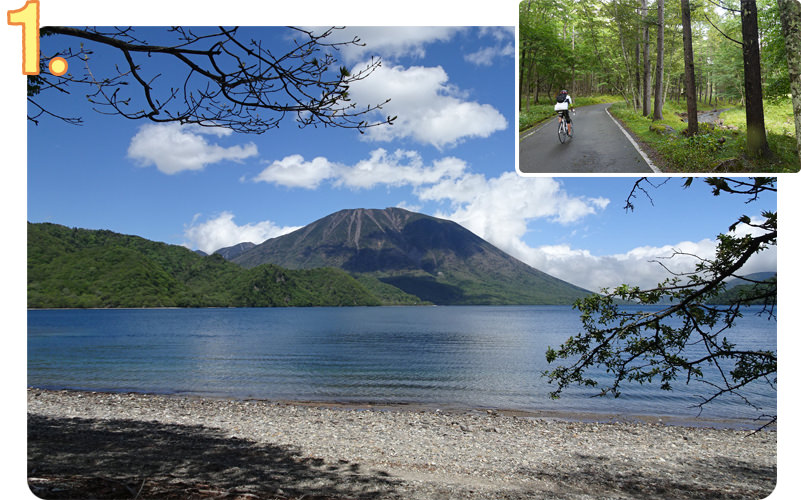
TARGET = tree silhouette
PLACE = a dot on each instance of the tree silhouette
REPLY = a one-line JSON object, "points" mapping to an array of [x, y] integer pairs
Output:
{"points": [[687, 336], [217, 78]]}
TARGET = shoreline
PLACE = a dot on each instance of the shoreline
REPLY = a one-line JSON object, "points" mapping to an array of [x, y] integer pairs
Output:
{"points": [[448, 408], [175, 446]]}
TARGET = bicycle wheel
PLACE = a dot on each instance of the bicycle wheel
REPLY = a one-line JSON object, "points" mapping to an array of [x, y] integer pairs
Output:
{"points": [[562, 132]]}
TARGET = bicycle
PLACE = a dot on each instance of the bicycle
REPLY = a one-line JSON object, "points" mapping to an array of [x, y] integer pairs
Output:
{"points": [[562, 129]]}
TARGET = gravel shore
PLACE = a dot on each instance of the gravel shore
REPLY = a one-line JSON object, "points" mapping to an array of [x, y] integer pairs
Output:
{"points": [[100, 445]]}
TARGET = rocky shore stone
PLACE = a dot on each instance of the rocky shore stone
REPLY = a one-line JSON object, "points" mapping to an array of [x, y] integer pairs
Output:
{"points": [[188, 447]]}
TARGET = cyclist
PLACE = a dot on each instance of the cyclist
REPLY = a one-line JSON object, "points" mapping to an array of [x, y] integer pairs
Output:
{"points": [[564, 104]]}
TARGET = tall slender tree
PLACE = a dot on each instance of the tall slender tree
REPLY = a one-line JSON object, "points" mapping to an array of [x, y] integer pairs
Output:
{"points": [[660, 60], [689, 68], [637, 76], [790, 12], [646, 62], [756, 138]]}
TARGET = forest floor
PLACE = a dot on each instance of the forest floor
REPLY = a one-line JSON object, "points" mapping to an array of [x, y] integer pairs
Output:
{"points": [[719, 146]]}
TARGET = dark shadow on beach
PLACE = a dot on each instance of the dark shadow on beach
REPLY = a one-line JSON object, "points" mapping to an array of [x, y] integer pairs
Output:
{"points": [[600, 476], [90, 458]]}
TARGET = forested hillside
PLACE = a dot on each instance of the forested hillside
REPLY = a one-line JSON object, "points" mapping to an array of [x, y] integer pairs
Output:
{"points": [[663, 57], [757, 289], [69, 267]]}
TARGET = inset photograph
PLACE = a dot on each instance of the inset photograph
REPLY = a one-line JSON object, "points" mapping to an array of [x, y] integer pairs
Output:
{"points": [[648, 86]]}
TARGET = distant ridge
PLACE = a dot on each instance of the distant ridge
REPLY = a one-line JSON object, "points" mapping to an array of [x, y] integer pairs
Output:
{"points": [[71, 267], [752, 285], [434, 259], [230, 253]]}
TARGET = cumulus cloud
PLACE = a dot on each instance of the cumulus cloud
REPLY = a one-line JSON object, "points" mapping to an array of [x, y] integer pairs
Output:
{"points": [[501, 209], [486, 56], [640, 266], [391, 41], [174, 148], [398, 168], [430, 110], [221, 231], [504, 209], [294, 171]]}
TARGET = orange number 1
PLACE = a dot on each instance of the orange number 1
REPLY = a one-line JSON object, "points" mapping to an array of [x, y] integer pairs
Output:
{"points": [[28, 18]]}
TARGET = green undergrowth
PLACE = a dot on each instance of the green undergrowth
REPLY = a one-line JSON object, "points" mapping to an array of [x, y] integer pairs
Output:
{"points": [[715, 148], [535, 113]]}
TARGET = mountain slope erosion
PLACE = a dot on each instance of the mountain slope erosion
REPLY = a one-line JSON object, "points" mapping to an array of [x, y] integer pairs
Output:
{"points": [[434, 259]]}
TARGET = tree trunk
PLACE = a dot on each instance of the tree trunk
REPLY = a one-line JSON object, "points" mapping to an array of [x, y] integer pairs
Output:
{"points": [[637, 76], [533, 78], [689, 69], [756, 145], [573, 51], [699, 83], [520, 83], [646, 63], [790, 12], [660, 60]]}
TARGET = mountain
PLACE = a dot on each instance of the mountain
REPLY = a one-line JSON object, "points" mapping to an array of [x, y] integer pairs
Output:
{"points": [[434, 259], [750, 279], [71, 267], [751, 289], [232, 252]]}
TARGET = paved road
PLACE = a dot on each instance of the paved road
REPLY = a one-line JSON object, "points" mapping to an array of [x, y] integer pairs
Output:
{"points": [[598, 146]]}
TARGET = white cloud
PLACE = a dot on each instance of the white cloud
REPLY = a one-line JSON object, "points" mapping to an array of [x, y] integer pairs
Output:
{"points": [[399, 168], [429, 109], [408, 206], [174, 148], [500, 209], [222, 232], [506, 210], [639, 266], [499, 33], [486, 56], [391, 41], [294, 171]]}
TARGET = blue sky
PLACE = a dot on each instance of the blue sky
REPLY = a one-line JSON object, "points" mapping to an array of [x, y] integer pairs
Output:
{"points": [[137, 187], [450, 153], [185, 186]]}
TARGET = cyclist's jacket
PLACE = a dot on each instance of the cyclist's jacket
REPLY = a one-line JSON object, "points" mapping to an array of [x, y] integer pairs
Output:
{"points": [[564, 105]]}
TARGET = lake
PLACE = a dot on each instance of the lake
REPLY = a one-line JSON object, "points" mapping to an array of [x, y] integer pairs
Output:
{"points": [[461, 356]]}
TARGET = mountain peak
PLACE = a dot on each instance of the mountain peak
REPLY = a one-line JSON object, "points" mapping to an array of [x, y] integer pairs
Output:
{"points": [[435, 259]]}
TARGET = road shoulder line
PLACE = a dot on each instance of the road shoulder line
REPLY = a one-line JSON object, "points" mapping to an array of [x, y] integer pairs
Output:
{"points": [[536, 128], [634, 143]]}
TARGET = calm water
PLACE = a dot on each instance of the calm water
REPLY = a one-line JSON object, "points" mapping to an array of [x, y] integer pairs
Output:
{"points": [[451, 356]]}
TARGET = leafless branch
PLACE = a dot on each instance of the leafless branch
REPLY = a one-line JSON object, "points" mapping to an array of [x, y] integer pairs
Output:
{"points": [[226, 81]]}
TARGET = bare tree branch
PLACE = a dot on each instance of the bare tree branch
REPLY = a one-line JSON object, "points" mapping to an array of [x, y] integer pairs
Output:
{"points": [[227, 81], [640, 346]]}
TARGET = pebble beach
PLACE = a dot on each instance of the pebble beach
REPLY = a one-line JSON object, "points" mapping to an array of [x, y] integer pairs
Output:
{"points": [[111, 445]]}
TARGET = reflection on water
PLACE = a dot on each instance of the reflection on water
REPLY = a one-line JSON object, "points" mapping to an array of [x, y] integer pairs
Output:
{"points": [[463, 356]]}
